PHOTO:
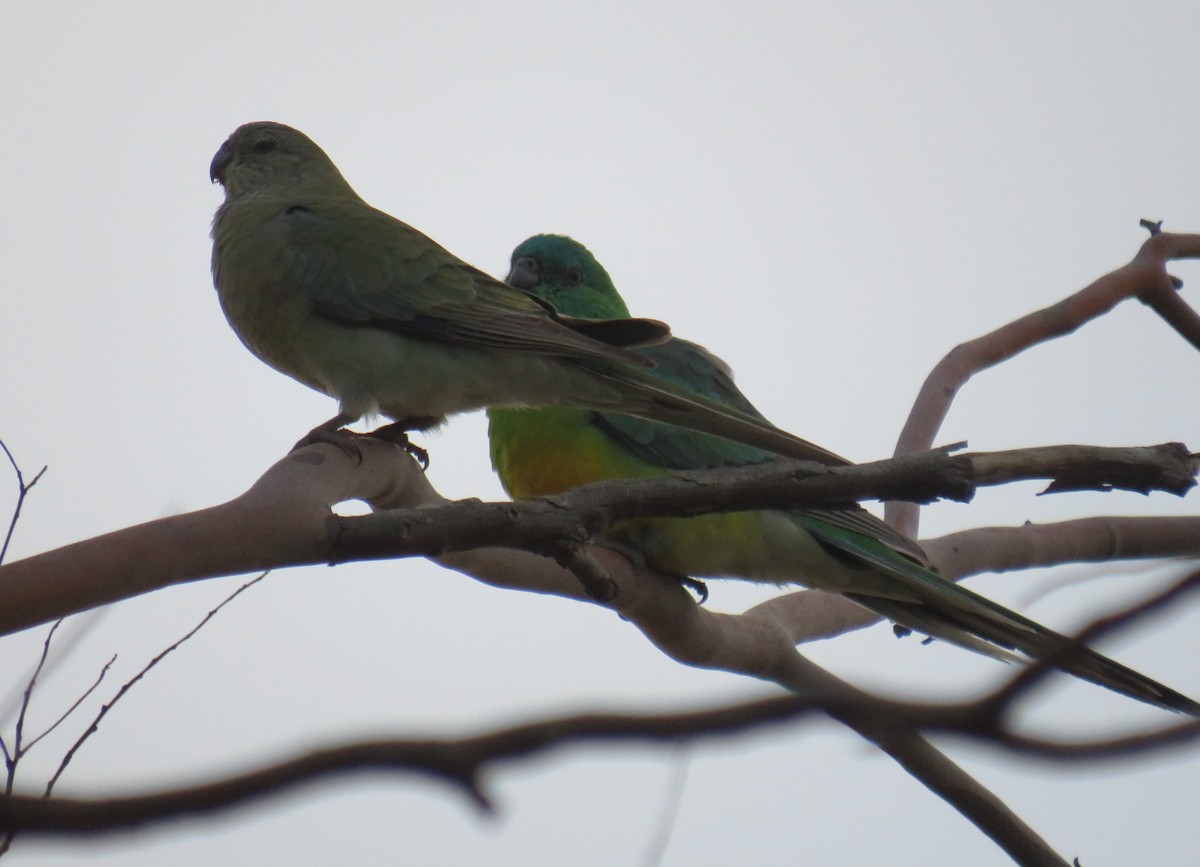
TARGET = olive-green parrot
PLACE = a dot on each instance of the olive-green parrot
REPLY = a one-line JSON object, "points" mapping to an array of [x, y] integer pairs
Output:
{"points": [[538, 452], [360, 306]]}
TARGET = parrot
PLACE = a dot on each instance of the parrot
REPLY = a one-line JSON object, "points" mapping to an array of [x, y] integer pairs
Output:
{"points": [[544, 451], [366, 309]]}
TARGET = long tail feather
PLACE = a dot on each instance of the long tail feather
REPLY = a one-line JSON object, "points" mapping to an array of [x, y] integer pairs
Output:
{"points": [[948, 611], [966, 629]]}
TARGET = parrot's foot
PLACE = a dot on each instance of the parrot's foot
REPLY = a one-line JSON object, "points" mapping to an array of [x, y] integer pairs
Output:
{"points": [[397, 433], [332, 433]]}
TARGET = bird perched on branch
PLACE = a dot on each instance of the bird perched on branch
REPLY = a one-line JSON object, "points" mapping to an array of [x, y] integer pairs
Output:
{"points": [[538, 452], [360, 306]]}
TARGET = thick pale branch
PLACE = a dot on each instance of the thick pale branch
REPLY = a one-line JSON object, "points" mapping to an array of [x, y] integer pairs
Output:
{"points": [[285, 518], [1145, 277], [1084, 540]]}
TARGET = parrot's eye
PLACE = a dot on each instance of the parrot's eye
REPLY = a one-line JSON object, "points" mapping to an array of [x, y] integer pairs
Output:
{"points": [[264, 146], [574, 276]]}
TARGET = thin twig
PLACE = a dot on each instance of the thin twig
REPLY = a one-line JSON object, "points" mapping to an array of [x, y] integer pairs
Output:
{"points": [[95, 685], [22, 492], [73, 632], [18, 748], [104, 709]]}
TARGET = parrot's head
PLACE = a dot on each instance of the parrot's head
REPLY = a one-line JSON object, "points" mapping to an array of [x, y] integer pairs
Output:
{"points": [[266, 157], [565, 273]]}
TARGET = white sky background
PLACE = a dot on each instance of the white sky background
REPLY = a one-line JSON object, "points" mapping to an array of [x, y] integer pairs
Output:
{"points": [[830, 196]]}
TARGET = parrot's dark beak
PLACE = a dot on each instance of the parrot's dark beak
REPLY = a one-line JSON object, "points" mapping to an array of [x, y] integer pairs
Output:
{"points": [[220, 162], [524, 273]]}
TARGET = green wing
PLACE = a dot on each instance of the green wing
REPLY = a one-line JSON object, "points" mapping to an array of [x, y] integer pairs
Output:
{"points": [[694, 368], [698, 371], [360, 266]]}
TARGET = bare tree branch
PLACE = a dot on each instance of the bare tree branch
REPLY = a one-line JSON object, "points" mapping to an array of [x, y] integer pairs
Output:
{"points": [[462, 762], [296, 496], [22, 492], [285, 518], [11, 758], [1145, 278], [1083, 540], [67, 639], [104, 669], [129, 684], [894, 726]]}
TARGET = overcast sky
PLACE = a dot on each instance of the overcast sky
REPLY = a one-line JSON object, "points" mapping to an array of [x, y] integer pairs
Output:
{"points": [[830, 196]]}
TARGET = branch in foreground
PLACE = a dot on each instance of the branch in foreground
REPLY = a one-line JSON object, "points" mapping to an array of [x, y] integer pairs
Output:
{"points": [[462, 761], [456, 761], [1145, 278]]}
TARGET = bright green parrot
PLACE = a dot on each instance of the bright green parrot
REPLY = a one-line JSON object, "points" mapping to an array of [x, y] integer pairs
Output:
{"points": [[356, 304], [538, 452]]}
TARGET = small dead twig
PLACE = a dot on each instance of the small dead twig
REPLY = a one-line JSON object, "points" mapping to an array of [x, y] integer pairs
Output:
{"points": [[22, 491], [95, 685], [18, 749], [104, 709]]}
